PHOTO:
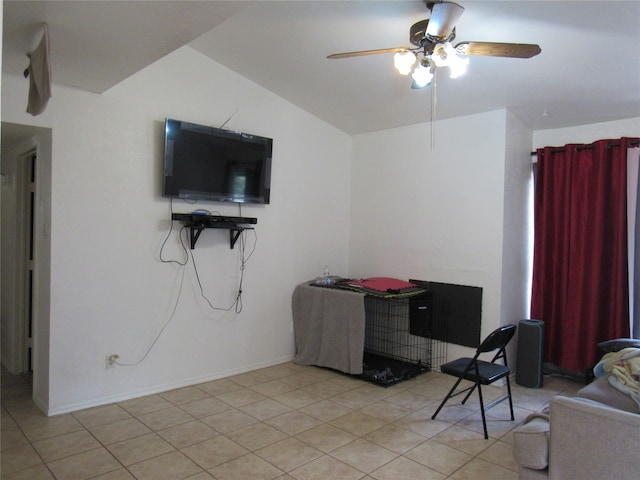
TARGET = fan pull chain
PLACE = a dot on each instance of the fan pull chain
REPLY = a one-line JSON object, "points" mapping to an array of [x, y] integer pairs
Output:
{"points": [[434, 108]]}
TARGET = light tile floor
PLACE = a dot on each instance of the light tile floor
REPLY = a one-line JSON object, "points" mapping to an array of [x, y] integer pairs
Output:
{"points": [[281, 422]]}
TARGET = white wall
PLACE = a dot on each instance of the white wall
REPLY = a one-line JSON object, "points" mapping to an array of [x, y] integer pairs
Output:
{"points": [[111, 294], [9, 306], [517, 240], [586, 133], [433, 213]]}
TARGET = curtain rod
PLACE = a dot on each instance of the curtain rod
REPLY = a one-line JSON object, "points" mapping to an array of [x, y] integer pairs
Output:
{"points": [[589, 147]]}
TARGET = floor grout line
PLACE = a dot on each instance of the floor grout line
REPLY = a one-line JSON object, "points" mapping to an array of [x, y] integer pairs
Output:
{"points": [[352, 397]]}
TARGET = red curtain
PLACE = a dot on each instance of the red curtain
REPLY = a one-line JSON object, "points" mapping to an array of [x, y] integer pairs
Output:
{"points": [[580, 284]]}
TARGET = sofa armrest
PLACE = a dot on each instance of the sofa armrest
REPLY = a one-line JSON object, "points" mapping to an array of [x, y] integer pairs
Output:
{"points": [[531, 444], [592, 441]]}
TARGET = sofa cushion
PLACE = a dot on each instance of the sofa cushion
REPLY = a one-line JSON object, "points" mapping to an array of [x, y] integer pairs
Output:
{"points": [[531, 444], [601, 391]]}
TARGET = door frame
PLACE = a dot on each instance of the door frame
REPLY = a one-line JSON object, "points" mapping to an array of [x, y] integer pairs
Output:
{"points": [[22, 142]]}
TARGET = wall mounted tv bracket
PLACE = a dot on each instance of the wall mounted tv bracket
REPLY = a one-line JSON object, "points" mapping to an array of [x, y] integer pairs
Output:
{"points": [[197, 222]]}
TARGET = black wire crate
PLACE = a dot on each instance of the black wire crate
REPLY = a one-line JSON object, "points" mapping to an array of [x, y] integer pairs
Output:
{"points": [[398, 343]]}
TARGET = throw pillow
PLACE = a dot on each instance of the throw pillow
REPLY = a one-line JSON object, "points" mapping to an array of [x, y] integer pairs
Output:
{"points": [[618, 344]]}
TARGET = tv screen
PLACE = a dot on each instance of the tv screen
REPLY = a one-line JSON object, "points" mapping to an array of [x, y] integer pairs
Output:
{"points": [[207, 163]]}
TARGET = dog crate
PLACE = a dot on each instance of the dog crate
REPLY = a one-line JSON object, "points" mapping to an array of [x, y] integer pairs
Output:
{"points": [[399, 339]]}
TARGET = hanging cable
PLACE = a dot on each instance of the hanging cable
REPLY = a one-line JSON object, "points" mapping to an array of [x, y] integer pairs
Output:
{"points": [[236, 305], [227, 121], [434, 101], [166, 324], [186, 259], [237, 302]]}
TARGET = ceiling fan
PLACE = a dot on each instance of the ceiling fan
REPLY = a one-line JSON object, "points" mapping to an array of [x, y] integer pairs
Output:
{"points": [[432, 39]]}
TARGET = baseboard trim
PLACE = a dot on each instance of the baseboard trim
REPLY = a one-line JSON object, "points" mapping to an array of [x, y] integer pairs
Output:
{"points": [[188, 382]]}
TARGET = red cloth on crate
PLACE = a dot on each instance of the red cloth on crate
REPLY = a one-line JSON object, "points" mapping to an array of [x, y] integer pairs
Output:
{"points": [[383, 284]]}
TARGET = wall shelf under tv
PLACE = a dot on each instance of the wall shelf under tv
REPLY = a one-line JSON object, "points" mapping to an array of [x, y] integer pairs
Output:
{"points": [[196, 223]]}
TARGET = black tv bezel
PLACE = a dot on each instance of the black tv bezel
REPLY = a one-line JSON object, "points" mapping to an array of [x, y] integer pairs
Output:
{"points": [[195, 195]]}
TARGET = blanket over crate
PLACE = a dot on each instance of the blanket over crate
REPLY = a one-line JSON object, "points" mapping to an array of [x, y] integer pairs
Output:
{"points": [[329, 327]]}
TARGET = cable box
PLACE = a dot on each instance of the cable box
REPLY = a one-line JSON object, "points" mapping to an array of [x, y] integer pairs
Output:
{"points": [[212, 219]]}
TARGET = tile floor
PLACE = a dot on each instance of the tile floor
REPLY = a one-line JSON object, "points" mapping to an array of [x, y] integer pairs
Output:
{"points": [[281, 422]]}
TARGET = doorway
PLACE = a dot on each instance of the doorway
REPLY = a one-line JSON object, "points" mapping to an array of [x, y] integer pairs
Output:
{"points": [[25, 254]]}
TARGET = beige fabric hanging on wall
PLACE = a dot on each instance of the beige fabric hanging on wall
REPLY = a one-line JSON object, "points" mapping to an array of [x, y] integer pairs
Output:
{"points": [[39, 76]]}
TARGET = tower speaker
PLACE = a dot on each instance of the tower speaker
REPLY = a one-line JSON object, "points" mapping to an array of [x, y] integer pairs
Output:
{"points": [[529, 357]]}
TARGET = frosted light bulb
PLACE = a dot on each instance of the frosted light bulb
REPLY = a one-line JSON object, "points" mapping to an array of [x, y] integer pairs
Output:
{"points": [[458, 66], [422, 76], [403, 61]]}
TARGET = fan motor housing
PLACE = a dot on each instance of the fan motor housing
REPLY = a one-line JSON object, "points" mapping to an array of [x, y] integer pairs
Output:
{"points": [[418, 35], [417, 32]]}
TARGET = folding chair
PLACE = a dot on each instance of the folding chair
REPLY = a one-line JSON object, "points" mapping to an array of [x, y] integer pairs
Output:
{"points": [[481, 372]]}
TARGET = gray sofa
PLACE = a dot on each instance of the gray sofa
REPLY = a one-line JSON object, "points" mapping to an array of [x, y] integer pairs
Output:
{"points": [[581, 438]]}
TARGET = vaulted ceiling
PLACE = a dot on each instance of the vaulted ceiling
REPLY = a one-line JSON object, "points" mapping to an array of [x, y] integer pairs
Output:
{"points": [[588, 71]]}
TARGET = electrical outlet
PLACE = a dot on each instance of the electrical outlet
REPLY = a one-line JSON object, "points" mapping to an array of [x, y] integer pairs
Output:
{"points": [[110, 360]]}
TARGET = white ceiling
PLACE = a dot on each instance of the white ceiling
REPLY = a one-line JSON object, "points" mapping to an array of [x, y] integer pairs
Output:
{"points": [[588, 71]]}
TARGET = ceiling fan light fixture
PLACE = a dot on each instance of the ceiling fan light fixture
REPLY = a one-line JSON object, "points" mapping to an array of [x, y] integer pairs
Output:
{"points": [[441, 54], [444, 55], [458, 66], [432, 39], [422, 75], [403, 61]]}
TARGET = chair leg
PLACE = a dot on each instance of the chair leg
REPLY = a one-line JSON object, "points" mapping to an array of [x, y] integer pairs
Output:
{"points": [[449, 395], [484, 419], [510, 402]]}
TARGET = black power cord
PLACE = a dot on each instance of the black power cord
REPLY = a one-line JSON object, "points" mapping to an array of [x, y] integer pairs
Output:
{"points": [[236, 304]]}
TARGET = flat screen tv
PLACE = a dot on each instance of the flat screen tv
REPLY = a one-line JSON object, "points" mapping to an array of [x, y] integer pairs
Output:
{"points": [[207, 163]]}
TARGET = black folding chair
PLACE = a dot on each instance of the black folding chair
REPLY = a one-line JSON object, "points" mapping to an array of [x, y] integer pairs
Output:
{"points": [[481, 372]]}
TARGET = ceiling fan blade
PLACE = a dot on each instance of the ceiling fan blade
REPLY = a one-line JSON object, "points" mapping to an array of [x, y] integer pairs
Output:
{"points": [[491, 49], [443, 19], [368, 52]]}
